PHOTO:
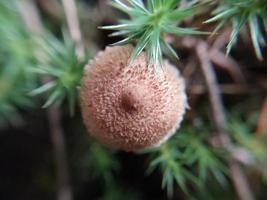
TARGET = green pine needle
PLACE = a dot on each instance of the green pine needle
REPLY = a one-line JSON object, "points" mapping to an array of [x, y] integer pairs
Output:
{"points": [[148, 23], [187, 158], [61, 63], [240, 13]]}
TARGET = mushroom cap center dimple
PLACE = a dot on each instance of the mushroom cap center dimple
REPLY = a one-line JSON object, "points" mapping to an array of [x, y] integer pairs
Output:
{"points": [[133, 99]]}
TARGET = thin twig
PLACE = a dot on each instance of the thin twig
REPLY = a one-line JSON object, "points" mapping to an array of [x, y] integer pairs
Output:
{"points": [[53, 9], [64, 187], [214, 92], [222, 39], [227, 63], [262, 121], [219, 58], [74, 26], [32, 20], [230, 89], [238, 177]]}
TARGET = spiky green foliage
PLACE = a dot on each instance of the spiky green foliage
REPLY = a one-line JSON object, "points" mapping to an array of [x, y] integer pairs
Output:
{"points": [[241, 13], [187, 158], [102, 162], [148, 24], [58, 60], [16, 57]]}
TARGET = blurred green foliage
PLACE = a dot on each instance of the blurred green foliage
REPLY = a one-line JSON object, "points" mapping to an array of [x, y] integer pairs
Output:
{"points": [[255, 145], [16, 57], [103, 163]]}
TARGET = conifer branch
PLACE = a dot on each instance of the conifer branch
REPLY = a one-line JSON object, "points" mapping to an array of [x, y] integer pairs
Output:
{"points": [[240, 13], [148, 24]]}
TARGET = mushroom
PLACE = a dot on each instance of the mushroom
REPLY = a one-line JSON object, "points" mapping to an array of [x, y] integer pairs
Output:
{"points": [[129, 106]]}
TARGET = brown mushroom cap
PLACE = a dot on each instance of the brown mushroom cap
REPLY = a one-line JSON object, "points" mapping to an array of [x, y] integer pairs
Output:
{"points": [[131, 107]]}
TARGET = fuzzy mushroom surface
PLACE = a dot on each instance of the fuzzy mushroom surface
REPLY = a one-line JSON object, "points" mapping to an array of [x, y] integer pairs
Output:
{"points": [[131, 107]]}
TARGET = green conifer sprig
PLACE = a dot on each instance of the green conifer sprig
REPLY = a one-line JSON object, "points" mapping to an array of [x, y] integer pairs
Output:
{"points": [[58, 60], [148, 24], [187, 158], [241, 13]]}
